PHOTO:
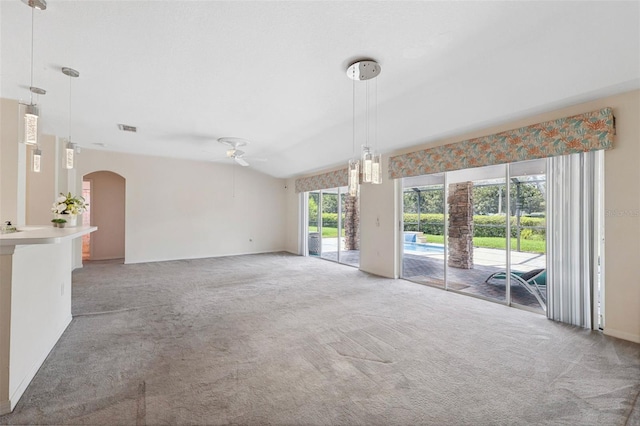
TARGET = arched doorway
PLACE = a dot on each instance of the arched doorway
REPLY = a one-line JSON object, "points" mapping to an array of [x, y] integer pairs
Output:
{"points": [[105, 193]]}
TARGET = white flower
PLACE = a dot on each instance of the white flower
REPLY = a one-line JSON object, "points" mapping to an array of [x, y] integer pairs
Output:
{"points": [[69, 204]]}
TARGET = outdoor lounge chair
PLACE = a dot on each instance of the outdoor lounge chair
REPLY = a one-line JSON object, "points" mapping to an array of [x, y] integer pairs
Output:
{"points": [[534, 281]]}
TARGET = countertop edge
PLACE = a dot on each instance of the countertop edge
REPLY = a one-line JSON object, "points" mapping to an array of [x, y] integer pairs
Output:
{"points": [[29, 235]]}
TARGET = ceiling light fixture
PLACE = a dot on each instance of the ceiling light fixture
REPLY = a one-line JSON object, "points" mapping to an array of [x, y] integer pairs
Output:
{"points": [[368, 169], [70, 148], [36, 4], [31, 112], [234, 152]]}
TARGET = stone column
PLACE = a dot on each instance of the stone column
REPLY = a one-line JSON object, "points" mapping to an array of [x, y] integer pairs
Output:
{"points": [[351, 223], [460, 203]]}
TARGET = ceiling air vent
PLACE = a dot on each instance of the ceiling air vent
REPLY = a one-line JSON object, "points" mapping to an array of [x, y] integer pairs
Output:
{"points": [[127, 128]]}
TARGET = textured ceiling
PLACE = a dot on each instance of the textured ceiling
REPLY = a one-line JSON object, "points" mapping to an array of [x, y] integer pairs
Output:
{"points": [[187, 73]]}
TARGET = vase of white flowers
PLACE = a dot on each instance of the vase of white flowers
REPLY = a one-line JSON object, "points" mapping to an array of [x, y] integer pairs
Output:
{"points": [[68, 207]]}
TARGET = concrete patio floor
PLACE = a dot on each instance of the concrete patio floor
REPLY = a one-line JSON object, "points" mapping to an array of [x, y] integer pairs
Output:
{"points": [[428, 268]]}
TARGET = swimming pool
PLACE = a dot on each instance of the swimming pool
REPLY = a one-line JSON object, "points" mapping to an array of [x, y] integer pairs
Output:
{"points": [[424, 248]]}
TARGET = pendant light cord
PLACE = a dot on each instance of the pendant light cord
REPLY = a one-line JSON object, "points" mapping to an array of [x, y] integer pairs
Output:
{"points": [[353, 129], [69, 141], [375, 117], [30, 92], [366, 119]]}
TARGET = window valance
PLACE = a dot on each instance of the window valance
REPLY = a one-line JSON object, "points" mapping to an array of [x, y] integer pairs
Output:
{"points": [[333, 179], [591, 131]]}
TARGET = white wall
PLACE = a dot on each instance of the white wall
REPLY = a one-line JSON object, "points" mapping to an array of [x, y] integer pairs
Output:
{"points": [[40, 299], [378, 251], [12, 164], [622, 202], [25, 197], [292, 218], [41, 189], [181, 209], [622, 221]]}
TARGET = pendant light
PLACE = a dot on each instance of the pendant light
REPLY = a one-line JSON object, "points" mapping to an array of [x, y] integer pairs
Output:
{"points": [[36, 160], [354, 176], [31, 111], [369, 168], [70, 148]]}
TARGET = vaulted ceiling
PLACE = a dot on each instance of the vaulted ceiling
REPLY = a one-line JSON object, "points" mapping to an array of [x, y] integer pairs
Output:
{"points": [[189, 72]]}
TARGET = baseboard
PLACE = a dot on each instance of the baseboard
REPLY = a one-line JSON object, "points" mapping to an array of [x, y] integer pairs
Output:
{"points": [[622, 335], [378, 273], [213, 256], [17, 394], [105, 258], [5, 407]]}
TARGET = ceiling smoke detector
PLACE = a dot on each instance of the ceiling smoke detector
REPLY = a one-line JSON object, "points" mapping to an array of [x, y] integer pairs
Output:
{"points": [[127, 128]]}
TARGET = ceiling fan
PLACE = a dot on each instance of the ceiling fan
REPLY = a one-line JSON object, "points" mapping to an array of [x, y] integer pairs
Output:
{"points": [[233, 151]]}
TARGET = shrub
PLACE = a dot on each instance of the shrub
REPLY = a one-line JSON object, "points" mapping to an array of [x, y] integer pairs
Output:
{"points": [[329, 220], [484, 226]]}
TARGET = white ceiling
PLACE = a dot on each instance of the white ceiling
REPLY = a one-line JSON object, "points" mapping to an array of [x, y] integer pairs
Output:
{"points": [[187, 73]]}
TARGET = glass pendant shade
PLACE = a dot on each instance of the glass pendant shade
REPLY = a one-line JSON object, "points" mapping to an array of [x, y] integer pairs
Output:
{"points": [[70, 149], [376, 169], [354, 177], [36, 160], [69, 153], [30, 125], [367, 164]]}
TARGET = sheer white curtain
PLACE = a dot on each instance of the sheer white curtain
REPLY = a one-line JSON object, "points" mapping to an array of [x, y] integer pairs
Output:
{"points": [[303, 221], [573, 182]]}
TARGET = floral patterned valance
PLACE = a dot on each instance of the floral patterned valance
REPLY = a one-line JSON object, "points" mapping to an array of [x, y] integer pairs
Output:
{"points": [[326, 180], [581, 133]]}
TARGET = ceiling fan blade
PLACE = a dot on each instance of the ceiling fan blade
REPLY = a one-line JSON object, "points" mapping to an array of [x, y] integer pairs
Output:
{"points": [[234, 142], [241, 161]]}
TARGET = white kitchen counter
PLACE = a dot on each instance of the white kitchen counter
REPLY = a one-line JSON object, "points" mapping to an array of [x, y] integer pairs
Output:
{"points": [[43, 234], [35, 301]]}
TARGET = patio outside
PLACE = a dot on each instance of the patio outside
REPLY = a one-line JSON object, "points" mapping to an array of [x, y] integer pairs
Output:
{"points": [[428, 268], [474, 213], [479, 211]]}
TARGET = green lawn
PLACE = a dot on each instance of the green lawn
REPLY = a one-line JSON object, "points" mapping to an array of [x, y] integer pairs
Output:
{"points": [[530, 246], [326, 232]]}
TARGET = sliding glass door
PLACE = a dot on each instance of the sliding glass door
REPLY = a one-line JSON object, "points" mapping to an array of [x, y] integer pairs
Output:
{"points": [[528, 262], [477, 228], [456, 226], [314, 228], [424, 229], [334, 226], [349, 228], [330, 224]]}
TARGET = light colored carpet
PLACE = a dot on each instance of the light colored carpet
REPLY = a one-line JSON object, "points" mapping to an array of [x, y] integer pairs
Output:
{"points": [[281, 339]]}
